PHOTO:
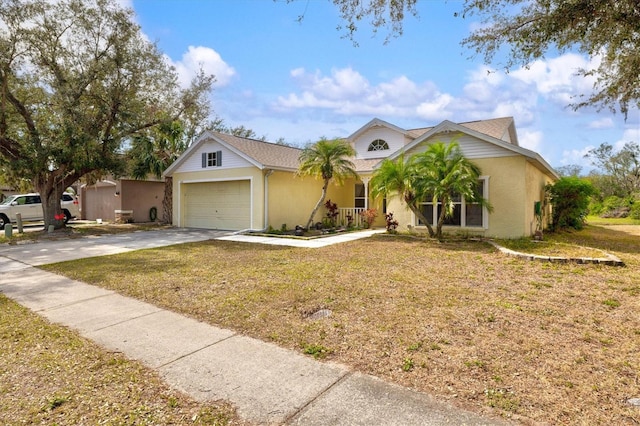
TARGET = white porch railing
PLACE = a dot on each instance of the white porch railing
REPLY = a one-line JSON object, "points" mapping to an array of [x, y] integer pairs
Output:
{"points": [[344, 213]]}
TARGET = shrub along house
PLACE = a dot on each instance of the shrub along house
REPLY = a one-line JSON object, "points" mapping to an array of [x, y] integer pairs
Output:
{"points": [[232, 183]]}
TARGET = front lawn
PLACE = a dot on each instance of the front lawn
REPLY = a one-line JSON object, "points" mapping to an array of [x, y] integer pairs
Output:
{"points": [[533, 341], [51, 376]]}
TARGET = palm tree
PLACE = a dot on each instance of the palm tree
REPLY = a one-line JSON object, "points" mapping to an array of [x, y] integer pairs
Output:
{"points": [[398, 177], [444, 173], [438, 174], [329, 160], [153, 152]]}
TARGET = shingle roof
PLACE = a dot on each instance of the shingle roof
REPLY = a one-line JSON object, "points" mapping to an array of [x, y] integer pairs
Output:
{"points": [[266, 153], [271, 155], [495, 127], [365, 165]]}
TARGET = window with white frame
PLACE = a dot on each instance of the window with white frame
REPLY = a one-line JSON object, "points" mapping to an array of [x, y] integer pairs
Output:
{"points": [[378, 145], [465, 214], [211, 159]]}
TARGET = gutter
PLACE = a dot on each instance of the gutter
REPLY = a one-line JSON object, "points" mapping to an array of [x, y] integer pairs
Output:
{"points": [[266, 207]]}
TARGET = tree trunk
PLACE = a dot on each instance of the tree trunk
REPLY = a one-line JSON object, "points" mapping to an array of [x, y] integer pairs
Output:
{"points": [[443, 214], [318, 204], [50, 196], [167, 201], [423, 219], [416, 211]]}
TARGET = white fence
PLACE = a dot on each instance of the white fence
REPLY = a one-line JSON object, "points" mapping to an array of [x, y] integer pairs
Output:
{"points": [[350, 215]]}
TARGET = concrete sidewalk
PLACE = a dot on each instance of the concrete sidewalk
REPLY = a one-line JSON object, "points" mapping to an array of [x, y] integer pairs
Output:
{"points": [[267, 384]]}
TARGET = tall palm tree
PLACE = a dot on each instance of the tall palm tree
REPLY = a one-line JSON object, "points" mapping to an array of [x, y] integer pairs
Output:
{"points": [[328, 160], [399, 177], [444, 173]]}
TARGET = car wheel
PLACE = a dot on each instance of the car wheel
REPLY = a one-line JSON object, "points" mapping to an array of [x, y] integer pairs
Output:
{"points": [[3, 220], [67, 216]]}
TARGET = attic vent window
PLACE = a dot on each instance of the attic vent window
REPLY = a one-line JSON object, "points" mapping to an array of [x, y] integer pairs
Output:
{"points": [[378, 145], [211, 159]]}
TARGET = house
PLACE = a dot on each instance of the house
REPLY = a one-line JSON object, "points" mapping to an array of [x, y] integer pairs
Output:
{"points": [[122, 200], [228, 182]]}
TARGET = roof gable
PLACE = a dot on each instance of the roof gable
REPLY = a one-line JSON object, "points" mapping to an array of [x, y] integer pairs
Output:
{"points": [[376, 122], [467, 129], [257, 153]]}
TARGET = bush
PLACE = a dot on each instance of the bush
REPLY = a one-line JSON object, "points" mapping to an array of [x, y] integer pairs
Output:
{"points": [[369, 216], [392, 224], [634, 213], [569, 198]]}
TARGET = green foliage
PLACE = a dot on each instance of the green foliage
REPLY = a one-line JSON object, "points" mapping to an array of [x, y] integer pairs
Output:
{"points": [[569, 198], [611, 303], [613, 203], [72, 91], [439, 174], [407, 364], [329, 160], [317, 351], [501, 398], [398, 178], [621, 169], [635, 210]]}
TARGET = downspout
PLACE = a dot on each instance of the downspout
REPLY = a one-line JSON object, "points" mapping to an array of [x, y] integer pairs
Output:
{"points": [[266, 206]]}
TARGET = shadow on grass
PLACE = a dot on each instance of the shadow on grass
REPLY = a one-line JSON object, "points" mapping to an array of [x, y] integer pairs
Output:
{"points": [[602, 238]]}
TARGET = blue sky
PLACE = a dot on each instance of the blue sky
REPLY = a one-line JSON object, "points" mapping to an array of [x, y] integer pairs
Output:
{"points": [[303, 80]]}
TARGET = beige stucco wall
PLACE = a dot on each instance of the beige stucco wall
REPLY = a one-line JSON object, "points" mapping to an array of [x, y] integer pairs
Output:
{"points": [[507, 195], [514, 185], [292, 198], [536, 182]]}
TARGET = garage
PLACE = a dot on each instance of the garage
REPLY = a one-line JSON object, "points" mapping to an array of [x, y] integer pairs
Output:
{"points": [[218, 205]]}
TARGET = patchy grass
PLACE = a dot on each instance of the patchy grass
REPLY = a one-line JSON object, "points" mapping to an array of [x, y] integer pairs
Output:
{"points": [[609, 221], [549, 247], [536, 342], [49, 375]]}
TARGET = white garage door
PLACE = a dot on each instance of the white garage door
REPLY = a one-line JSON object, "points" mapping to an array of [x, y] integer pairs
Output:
{"points": [[218, 205]]}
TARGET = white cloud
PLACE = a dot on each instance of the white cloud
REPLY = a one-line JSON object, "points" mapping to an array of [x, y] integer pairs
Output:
{"points": [[629, 135], [530, 139], [197, 57], [603, 123], [435, 109], [346, 91], [576, 156], [557, 79]]}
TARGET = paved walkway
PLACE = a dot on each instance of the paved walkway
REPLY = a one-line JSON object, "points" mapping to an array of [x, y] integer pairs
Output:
{"points": [[267, 384]]}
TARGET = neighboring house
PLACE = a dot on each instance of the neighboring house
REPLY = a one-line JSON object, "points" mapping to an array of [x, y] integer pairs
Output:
{"points": [[122, 199], [227, 182]]}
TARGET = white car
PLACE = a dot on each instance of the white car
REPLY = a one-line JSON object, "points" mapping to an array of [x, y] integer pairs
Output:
{"points": [[30, 208]]}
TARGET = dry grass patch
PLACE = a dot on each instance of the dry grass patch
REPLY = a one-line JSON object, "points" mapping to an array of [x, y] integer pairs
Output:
{"points": [[537, 342], [49, 375]]}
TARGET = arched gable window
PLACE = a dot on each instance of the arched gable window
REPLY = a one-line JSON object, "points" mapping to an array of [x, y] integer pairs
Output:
{"points": [[378, 145]]}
